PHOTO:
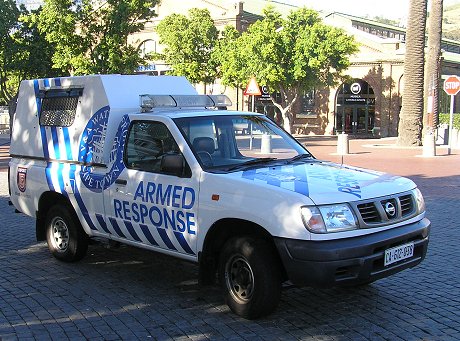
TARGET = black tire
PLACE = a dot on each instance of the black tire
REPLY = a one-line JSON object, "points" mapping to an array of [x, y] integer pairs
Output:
{"points": [[250, 275], [65, 237]]}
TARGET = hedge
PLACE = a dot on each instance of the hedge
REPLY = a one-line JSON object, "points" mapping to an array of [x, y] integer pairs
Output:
{"points": [[445, 119]]}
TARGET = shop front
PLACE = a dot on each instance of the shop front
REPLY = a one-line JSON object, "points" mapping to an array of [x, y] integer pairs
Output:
{"points": [[355, 108]]}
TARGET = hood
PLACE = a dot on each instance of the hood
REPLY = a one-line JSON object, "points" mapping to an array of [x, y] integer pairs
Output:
{"points": [[325, 182]]}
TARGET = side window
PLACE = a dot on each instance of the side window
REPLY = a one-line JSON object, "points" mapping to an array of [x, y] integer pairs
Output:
{"points": [[147, 143], [59, 106]]}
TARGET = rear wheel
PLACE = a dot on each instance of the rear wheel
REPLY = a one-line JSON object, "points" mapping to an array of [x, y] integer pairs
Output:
{"points": [[65, 237], [250, 275]]}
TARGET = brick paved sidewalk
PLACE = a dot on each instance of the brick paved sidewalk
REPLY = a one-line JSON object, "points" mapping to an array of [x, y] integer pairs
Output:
{"points": [[4, 152], [129, 293]]}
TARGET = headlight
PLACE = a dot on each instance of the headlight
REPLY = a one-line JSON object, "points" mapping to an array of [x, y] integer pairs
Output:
{"points": [[419, 200], [328, 218]]}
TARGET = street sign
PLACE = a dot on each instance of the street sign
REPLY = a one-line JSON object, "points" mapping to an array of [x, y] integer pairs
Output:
{"points": [[252, 88], [452, 85]]}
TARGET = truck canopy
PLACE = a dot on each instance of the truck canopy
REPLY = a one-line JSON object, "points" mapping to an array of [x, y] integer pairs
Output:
{"points": [[55, 115]]}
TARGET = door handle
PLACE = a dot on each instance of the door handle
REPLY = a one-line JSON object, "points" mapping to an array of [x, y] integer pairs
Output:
{"points": [[121, 182]]}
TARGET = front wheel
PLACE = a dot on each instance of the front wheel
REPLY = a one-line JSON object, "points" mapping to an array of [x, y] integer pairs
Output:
{"points": [[65, 237], [250, 275]]}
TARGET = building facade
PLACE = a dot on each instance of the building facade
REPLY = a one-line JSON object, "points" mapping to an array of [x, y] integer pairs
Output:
{"points": [[367, 104]]}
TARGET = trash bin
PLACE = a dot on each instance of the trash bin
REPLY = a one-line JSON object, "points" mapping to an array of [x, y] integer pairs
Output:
{"points": [[376, 131]]}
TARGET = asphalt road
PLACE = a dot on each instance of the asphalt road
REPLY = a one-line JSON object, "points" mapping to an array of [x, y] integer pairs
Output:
{"points": [[127, 293]]}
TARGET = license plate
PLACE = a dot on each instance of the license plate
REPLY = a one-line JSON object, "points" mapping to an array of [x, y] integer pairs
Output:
{"points": [[398, 253]]}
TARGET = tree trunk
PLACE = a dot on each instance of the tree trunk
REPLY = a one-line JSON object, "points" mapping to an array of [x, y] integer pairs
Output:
{"points": [[410, 120], [289, 99], [433, 65]]}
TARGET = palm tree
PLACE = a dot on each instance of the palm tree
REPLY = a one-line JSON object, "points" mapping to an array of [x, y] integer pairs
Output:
{"points": [[433, 65], [410, 120]]}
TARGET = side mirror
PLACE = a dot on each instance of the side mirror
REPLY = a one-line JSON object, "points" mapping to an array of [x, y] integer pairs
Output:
{"points": [[173, 164]]}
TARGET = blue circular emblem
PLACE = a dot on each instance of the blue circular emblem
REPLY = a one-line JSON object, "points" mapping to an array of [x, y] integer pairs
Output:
{"points": [[92, 151]]}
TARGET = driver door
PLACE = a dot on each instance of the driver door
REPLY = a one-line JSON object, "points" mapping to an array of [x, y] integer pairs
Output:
{"points": [[148, 206]]}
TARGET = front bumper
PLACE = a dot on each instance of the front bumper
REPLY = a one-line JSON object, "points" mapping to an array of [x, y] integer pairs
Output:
{"points": [[351, 261]]}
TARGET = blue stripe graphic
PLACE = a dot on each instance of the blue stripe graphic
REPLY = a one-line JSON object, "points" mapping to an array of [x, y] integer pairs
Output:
{"points": [[273, 180], [148, 235], [131, 231], [61, 180], [48, 176], [165, 238], [183, 243], [116, 227], [301, 186], [249, 174], [280, 175], [65, 130], [101, 222], [80, 202], [46, 82], [68, 147], [55, 138], [42, 129]]}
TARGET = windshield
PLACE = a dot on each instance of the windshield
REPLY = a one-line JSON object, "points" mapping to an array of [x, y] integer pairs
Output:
{"points": [[232, 142]]}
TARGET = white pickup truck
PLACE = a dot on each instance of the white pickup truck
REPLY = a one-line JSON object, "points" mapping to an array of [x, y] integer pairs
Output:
{"points": [[147, 162]]}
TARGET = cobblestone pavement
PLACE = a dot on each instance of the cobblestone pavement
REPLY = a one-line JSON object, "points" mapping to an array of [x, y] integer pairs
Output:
{"points": [[128, 293]]}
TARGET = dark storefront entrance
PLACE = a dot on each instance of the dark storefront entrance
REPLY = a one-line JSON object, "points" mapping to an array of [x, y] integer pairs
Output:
{"points": [[355, 108]]}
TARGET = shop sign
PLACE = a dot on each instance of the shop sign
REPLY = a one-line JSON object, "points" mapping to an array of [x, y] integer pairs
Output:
{"points": [[355, 99], [355, 88], [265, 96], [143, 68]]}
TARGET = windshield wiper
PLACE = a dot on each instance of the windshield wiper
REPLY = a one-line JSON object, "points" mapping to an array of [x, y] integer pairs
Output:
{"points": [[300, 157], [252, 162]]}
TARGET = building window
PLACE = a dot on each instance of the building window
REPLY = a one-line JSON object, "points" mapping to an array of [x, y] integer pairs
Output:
{"points": [[147, 47], [308, 100]]}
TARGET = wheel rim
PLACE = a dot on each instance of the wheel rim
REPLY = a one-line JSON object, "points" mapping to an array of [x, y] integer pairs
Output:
{"points": [[239, 278], [59, 234]]}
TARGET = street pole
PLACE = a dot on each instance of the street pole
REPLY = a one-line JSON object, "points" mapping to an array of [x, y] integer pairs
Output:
{"points": [[250, 128], [451, 123]]}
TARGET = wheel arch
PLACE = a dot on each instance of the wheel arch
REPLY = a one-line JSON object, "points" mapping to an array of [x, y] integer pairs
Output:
{"points": [[46, 201], [218, 234]]}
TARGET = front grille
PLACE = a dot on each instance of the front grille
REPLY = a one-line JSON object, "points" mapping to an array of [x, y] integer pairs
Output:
{"points": [[369, 213], [386, 210], [407, 204]]}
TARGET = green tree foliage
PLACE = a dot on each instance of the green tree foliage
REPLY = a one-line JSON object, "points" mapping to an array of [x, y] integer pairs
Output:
{"points": [[24, 52], [33, 53], [8, 22], [289, 55], [385, 21], [189, 42], [92, 36]]}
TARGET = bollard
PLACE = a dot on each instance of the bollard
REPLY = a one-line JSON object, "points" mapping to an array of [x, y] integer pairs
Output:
{"points": [[455, 138], [429, 145], [342, 144], [266, 144]]}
